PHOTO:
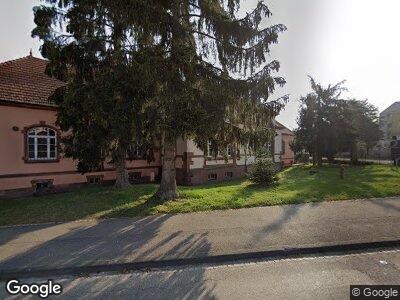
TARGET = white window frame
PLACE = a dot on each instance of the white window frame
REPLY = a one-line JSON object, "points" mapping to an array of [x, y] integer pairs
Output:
{"points": [[229, 151], [138, 151], [269, 148], [209, 148], [33, 133], [212, 177]]}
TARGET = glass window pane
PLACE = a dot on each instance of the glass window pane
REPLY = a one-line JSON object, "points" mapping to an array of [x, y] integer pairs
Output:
{"points": [[42, 154], [42, 141], [42, 147], [42, 132]]}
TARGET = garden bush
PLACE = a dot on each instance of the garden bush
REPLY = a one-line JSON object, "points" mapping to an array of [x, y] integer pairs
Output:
{"points": [[264, 171]]}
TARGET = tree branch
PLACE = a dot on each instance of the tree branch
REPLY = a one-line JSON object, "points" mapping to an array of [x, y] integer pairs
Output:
{"points": [[219, 41]]}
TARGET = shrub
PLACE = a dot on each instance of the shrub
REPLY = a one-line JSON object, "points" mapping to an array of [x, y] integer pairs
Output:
{"points": [[264, 171]]}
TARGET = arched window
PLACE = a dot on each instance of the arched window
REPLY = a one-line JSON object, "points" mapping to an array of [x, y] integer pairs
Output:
{"points": [[41, 144]]}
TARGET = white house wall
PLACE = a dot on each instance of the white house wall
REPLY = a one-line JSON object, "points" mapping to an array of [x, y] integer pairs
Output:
{"points": [[198, 159], [278, 146], [243, 160]]}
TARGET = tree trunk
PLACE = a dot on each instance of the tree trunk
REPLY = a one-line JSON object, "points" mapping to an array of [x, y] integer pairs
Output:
{"points": [[354, 154], [319, 162], [314, 159], [168, 189], [318, 159], [122, 177]]}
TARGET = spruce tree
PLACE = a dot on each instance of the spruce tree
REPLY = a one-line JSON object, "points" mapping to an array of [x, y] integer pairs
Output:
{"points": [[108, 78], [328, 124], [196, 69], [216, 79], [318, 123]]}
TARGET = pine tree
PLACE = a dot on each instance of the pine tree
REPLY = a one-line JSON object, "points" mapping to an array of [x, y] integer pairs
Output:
{"points": [[328, 124], [216, 80], [108, 79], [361, 125], [196, 71], [317, 131]]}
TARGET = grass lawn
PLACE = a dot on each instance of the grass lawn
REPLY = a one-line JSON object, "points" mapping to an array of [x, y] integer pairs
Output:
{"points": [[297, 185]]}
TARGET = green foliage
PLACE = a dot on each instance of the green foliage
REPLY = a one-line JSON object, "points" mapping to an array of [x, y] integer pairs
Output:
{"points": [[151, 71], [107, 80], [296, 186], [263, 171], [328, 124]]}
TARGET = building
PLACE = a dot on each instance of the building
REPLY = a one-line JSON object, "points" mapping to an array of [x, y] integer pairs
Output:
{"points": [[31, 162], [282, 151], [389, 122], [195, 167]]}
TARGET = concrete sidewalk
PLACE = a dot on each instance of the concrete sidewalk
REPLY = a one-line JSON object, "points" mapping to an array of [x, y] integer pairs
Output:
{"points": [[196, 235]]}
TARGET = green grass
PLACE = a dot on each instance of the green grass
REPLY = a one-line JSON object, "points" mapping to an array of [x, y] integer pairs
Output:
{"points": [[296, 185]]}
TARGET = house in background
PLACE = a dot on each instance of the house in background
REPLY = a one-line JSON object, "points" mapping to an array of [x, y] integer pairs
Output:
{"points": [[194, 167], [30, 160], [283, 154], [389, 123], [29, 156]]}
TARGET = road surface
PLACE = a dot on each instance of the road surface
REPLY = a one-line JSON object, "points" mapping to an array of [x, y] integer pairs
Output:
{"points": [[198, 235], [326, 277]]}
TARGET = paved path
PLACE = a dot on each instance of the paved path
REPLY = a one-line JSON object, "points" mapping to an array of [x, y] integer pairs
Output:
{"points": [[163, 237], [307, 278]]}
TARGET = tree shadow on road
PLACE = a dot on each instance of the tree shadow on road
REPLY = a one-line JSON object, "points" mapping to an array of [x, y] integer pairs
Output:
{"points": [[113, 241]]}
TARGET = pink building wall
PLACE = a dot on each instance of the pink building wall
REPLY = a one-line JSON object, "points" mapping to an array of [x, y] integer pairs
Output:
{"points": [[15, 173], [288, 156]]}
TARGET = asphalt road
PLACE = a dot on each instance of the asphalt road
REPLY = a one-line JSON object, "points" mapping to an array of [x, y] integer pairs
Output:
{"points": [[198, 235], [326, 277]]}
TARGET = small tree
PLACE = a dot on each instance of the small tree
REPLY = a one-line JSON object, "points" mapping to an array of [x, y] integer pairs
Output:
{"points": [[264, 170]]}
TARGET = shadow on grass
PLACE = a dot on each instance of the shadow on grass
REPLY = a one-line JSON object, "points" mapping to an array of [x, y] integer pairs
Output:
{"points": [[146, 207], [90, 202], [296, 185], [307, 183]]}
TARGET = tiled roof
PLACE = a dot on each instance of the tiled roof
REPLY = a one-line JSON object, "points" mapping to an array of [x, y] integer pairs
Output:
{"points": [[24, 80]]}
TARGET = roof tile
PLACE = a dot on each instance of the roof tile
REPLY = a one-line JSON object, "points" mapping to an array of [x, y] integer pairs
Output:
{"points": [[24, 80]]}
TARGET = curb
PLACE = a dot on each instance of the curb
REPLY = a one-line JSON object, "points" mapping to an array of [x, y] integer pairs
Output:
{"points": [[80, 271]]}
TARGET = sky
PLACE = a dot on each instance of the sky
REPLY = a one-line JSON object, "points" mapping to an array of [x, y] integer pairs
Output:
{"points": [[331, 40]]}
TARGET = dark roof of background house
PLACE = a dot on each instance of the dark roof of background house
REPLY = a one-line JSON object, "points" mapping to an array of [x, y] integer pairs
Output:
{"points": [[23, 80]]}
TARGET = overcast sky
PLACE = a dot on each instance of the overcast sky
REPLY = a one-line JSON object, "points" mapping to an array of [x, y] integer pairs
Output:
{"points": [[332, 40]]}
